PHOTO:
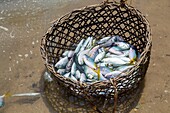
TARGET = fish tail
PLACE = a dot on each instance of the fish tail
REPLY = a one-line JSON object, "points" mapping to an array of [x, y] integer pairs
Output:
{"points": [[8, 94], [97, 70], [132, 61]]}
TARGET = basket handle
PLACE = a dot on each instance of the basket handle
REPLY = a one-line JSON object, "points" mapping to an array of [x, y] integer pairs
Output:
{"points": [[122, 2]]}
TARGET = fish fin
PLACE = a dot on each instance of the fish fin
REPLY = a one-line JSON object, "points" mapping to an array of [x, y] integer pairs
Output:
{"points": [[132, 61], [97, 70], [7, 94]]}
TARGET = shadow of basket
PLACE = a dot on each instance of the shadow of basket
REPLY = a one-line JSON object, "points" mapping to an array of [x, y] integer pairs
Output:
{"points": [[63, 101], [101, 20]]}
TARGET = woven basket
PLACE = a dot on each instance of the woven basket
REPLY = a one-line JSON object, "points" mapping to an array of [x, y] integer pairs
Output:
{"points": [[101, 20], [63, 101]]}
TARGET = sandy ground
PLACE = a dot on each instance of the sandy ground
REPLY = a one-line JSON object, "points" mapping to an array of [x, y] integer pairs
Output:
{"points": [[21, 64]]}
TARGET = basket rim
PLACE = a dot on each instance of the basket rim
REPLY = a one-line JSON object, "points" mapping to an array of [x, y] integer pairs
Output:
{"points": [[69, 14]]}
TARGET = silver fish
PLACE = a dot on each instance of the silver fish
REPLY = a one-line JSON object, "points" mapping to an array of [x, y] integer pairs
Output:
{"points": [[78, 74], [109, 42], [90, 76], [73, 78], [103, 40], [101, 64], [124, 68], [90, 44], [132, 55], [101, 49], [67, 75], [70, 54], [114, 74], [89, 70], [119, 39], [116, 48], [115, 51], [93, 52], [101, 77], [126, 59], [61, 71], [69, 65], [94, 42], [85, 44], [111, 55], [78, 66], [100, 56], [112, 39], [62, 63], [73, 69], [65, 53], [104, 70], [115, 61], [80, 56], [90, 80], [123, 45], [125, 53], [82, 77], [79, 46], [89, 62]]}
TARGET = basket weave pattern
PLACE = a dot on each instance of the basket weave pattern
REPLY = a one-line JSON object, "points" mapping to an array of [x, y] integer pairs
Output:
{"points": [[105, 19]]}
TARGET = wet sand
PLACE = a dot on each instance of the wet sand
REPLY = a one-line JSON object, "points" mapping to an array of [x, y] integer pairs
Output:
{"points": [[21, 65]]}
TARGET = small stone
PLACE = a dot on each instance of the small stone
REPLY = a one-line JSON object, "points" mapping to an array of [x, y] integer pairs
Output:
{"points": [[1, 18], [2, 11], [163, 56], [31, 52], [166, 101], [26, 55], [10, 69], [20, 55], [33, 43], [3, 51], [135, 110], [27, 25], [166, 91], [9, 14], [137, 107], [21, 84], [37, 41], [10, 57]]}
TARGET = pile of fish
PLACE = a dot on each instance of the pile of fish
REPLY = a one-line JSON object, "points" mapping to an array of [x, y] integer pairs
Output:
{"points": [[97, 60]]}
